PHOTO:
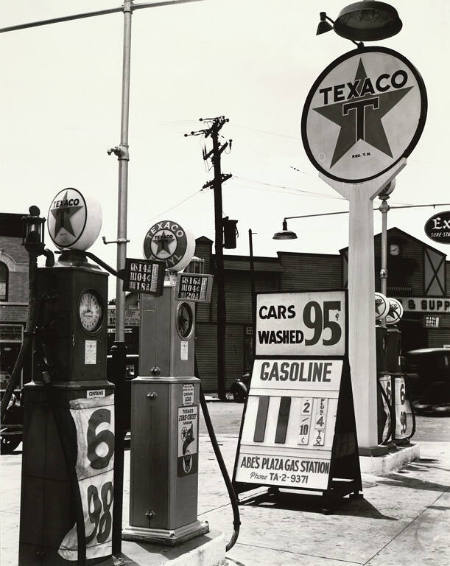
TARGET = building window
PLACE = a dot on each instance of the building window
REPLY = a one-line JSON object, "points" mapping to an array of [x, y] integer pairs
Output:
{"points": [[431, 321], [4, 275]]}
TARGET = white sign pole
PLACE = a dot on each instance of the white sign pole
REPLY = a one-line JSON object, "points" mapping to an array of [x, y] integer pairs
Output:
{"points": [[361, 286]]}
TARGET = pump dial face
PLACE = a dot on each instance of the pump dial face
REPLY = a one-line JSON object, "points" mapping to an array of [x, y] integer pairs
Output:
{"points": [[185, 320], [90, 311]]}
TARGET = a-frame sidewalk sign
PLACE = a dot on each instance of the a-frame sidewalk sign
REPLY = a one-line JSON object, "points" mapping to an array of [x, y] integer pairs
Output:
{"points": [[298, 429]]}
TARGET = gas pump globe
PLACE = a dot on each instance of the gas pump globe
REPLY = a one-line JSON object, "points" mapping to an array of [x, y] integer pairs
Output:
{"points": [[165, 403]]}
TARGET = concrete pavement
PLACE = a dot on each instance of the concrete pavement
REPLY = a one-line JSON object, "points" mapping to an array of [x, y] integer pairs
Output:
{"points": [[403, 519]]}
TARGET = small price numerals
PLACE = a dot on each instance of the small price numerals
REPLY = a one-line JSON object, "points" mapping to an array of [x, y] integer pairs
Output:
{"points": [[305, 421]]}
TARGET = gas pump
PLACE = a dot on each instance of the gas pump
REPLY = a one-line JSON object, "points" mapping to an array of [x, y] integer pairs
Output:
{"points": [[395, 416], [165, 404], [68, 450]]}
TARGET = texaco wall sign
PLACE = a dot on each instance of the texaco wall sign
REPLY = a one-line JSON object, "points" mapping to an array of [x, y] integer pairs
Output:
{"points": [[363, 114]]}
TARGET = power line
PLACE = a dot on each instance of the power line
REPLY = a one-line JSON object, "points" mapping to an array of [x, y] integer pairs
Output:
{"points": [[178, 204], [287, 188]]}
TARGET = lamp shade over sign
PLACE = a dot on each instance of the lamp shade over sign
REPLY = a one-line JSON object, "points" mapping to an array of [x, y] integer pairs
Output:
{"points": [[169, 242], [437, 228], [364, 113], [74, 220], [367, 21]]}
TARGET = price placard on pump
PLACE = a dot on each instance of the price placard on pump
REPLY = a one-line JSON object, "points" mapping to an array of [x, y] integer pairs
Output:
{"points": [[301, 324]]}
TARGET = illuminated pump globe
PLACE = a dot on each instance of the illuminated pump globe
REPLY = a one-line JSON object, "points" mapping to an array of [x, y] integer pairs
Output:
{"points": [[381, 307], [395, 312], [74, 220]]}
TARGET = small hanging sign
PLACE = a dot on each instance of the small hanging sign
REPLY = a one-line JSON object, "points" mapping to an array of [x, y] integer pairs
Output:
{"points": [[143, 276]]}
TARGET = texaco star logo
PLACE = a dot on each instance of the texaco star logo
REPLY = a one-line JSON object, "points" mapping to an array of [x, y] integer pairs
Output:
{"points": [[364, 113], [165, 241], [359, 116], [65, 222]]}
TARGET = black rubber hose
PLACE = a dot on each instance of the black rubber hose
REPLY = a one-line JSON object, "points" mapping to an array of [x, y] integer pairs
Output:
{"points": [[391, 424], [68, 438], [231, 493]]}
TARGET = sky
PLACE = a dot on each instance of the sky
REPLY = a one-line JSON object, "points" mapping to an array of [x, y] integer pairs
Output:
{"points": [[252, 61]]}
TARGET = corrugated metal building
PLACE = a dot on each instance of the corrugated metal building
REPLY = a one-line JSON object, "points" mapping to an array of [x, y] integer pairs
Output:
{"points": [[418, 275]]}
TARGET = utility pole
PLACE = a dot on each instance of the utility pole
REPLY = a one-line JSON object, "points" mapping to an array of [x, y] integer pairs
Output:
{"points": [[216, 183]]}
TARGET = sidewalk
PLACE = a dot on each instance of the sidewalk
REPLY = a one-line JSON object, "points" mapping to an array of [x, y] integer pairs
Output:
{"points": [[403, 519]]}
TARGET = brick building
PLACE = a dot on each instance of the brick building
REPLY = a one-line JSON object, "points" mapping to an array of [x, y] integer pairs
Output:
{"points": [[13, 291]]}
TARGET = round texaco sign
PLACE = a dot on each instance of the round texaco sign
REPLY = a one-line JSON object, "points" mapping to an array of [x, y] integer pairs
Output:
{"points": [[363, 114], [169, 242], [74, 221]]}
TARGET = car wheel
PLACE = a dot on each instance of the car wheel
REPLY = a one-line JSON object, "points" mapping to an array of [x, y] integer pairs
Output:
{"points": [[9, 443], [238, 395]]}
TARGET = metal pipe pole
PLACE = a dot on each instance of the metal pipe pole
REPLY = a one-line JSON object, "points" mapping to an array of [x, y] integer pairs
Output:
{"points": [[119, 349], [123, 157], [384, 208], [252, 275], [252, 291]]}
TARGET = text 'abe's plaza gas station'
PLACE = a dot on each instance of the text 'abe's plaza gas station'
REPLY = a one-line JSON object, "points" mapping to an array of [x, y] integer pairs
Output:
{"points": [[190, 407]]}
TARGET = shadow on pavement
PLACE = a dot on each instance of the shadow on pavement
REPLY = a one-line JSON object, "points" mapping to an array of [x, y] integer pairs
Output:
{"points": [[316, 504], [403, 480]]}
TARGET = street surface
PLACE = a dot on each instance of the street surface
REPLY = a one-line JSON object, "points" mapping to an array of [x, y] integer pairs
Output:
{"points": [[403, 519]]}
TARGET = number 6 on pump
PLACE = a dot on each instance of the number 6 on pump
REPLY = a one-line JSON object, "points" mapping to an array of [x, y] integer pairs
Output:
{"points": [[94, 423]]}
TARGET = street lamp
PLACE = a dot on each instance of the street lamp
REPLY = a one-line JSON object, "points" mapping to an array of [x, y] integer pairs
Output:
{"points": [[363, 21], [286, 234]]}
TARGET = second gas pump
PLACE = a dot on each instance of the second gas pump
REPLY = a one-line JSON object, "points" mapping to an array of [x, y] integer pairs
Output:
{"points": [[165, 402]]}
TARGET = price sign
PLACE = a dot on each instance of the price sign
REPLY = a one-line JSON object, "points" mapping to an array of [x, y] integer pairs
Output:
{"points": [[94, 422], [291, 412], [299, 413], [143, 276], [195, 287], [301, 324]]}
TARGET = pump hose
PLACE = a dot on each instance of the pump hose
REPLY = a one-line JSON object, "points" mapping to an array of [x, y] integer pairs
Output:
{"points": [[386, 399], [35, 305], [68, 438], [231, 493]]}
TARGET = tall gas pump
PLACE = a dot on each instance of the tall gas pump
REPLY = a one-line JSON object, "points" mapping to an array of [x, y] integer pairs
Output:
{"points": [[68, 453], [165, 403]]}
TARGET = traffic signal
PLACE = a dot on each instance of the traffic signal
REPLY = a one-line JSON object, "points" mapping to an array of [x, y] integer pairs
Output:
{"points": [[229, 233]]}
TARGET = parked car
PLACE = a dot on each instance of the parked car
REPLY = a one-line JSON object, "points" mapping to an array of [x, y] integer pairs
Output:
{"points": [[240, 387], [428, 380]]}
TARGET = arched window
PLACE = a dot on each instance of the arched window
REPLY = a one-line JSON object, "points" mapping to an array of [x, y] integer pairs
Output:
{"points": [[4, 275]]}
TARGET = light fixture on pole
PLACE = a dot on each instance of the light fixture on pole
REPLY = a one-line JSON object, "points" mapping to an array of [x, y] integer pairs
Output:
{"points": [[368, 20], [285, 234]]}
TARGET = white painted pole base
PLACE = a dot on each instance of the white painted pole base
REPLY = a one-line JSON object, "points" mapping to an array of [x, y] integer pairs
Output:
{"points": [[361, 286]]}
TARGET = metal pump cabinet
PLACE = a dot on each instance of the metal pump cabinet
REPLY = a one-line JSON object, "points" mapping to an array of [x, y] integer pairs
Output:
{"points": [[165, 425]]}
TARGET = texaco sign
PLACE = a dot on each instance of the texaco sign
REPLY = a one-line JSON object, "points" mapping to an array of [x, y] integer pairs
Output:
{"points": [[169, 242], [363, 114], [74, 220]]}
